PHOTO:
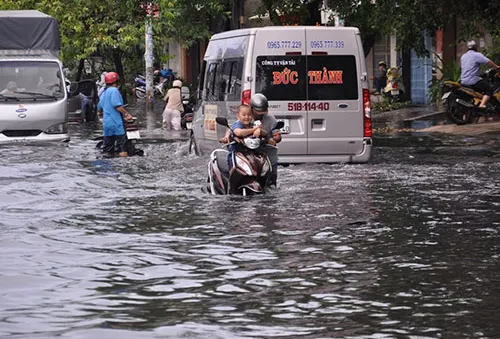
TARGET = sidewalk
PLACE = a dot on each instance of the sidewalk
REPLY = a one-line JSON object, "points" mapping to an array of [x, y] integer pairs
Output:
{"points": [[413, 116], [428, 119]]}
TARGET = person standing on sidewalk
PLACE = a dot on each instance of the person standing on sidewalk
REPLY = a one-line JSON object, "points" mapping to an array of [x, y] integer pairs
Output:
{"points": [[111, 102], [380, 77], [471, 62], [174, 107]]}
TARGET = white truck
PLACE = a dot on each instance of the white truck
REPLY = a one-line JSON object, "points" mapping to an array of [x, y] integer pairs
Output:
{"points": [[33, 95]]}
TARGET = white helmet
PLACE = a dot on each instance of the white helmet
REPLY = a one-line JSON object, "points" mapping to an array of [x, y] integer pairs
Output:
{"points": [[471, 44]]}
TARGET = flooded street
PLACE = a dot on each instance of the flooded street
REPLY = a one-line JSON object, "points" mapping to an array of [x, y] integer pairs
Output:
{"points": [[407, 245]]}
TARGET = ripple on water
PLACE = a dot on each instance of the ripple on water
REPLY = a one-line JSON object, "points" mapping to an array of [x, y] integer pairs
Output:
{"points": [[133, 248]]}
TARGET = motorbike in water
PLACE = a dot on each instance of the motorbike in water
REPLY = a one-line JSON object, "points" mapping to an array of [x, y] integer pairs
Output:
{"points": [[462, 102], [132, 135], [394, 90], [251, 171]]}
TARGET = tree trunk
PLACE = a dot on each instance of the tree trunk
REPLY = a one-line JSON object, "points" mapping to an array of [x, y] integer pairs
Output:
{"points": [[117, 59], [406, 70], [368, 41], [81, 64]]}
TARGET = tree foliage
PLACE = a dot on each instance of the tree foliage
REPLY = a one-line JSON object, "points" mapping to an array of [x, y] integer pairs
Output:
{"points": [[408, 19], [115, 29]]}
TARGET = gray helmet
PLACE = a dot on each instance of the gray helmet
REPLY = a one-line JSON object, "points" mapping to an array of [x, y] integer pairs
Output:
{"points": [[259, 102], [471, 44]]}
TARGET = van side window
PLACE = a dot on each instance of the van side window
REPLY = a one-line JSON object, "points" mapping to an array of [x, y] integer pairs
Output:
{"points": [[201, 80], [211, 88], [232, 70]]}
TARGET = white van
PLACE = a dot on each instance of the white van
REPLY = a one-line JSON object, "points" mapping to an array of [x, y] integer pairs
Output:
{"points": [[314, 78]]}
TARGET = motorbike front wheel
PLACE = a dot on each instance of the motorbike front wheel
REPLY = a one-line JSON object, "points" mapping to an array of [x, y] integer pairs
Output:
{"points": [[459, 114], [139, 94]]}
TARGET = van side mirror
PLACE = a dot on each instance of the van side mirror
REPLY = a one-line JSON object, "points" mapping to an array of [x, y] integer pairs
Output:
{"points": [[186, 93]]}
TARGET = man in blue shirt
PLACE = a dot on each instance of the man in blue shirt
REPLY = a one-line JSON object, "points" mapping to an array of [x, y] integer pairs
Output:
{"points": [[471, 62], [111, 102]]}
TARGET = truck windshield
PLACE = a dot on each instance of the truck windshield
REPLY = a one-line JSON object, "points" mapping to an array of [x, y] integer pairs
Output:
{"points": [[31, 80]]}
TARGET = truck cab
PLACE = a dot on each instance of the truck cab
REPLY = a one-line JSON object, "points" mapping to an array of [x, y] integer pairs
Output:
{"points": [[33, 94]]}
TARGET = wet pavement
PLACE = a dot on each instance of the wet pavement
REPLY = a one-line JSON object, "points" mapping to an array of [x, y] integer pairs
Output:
{"points": [[405, 246]]}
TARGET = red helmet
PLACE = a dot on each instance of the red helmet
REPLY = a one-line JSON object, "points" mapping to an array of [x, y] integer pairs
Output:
{"points": [[111, 78]]}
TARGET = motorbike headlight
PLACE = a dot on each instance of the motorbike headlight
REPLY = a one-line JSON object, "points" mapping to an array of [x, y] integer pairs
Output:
{"points": [[252, 143], [57, 128], [242, 165], [265, 168]]}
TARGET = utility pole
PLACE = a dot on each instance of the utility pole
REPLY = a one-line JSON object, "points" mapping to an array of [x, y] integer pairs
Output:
{"points": [[148, 56]]}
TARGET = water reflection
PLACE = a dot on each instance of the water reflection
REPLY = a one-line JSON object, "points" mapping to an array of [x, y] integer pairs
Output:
{"points": [[406, 245]]}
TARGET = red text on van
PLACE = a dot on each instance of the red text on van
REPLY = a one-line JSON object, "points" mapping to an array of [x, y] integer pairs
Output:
{"points": [[285, 77], [325, 77]]}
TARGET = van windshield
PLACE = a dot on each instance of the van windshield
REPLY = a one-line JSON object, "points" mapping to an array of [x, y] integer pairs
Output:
{"points": [[30, 79], [312, 77]]}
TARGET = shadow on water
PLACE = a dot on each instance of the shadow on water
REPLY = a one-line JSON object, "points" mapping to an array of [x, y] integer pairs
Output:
{"points": [[404, 246]]}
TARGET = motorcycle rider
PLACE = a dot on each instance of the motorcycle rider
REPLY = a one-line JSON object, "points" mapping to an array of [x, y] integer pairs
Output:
{"points": [[111, 102], [259, 106], [241, 128], [470, 63]]}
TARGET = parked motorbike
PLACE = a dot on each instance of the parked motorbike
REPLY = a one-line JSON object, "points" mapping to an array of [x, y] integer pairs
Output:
{"points": [[394, 90], [140, 88], [251, 171], [132, 134], [462, 102]]}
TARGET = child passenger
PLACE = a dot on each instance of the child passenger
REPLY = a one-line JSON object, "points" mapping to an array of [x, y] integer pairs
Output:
{"points": [[242, 128]]}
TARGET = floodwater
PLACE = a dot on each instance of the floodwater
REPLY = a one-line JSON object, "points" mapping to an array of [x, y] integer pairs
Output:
{"points": [[406, 246]]}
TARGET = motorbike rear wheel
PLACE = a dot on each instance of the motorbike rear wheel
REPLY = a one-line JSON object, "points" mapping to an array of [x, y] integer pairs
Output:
{"points": [[457, 113]]}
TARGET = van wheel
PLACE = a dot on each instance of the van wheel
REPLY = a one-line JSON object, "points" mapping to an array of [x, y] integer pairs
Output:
{"points": [[193, 147]]}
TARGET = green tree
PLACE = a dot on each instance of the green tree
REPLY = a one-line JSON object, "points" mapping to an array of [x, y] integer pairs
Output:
{"points": [[408, 19], [115, 29]]}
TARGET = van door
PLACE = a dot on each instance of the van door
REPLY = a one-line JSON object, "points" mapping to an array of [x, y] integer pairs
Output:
{"points": [[280, 74], [334, 89]]}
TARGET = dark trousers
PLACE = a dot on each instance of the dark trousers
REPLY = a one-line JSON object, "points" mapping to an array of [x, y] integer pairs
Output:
{"points": [[379, 84], [483, 86], [273, 179], [109, 143]]}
